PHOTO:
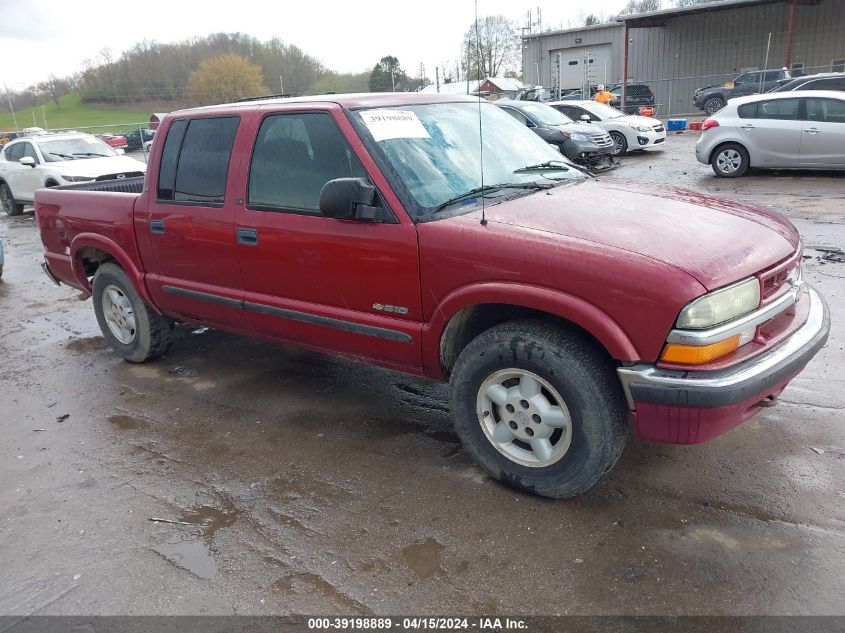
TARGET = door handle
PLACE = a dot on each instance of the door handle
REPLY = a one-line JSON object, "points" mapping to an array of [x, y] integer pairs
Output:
{"points": [[157, 227], [812, 130], [748, 126], [247, 237]]}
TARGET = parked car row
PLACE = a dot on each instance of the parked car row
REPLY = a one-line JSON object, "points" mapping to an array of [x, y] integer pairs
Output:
{"points": [[51, 160]]}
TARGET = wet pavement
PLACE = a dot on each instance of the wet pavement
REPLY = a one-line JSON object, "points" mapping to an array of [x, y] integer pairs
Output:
{"points": [[238, 477]]}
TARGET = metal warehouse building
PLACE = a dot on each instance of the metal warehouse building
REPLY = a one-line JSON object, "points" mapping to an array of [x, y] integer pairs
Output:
{"points": [[678, 50]]}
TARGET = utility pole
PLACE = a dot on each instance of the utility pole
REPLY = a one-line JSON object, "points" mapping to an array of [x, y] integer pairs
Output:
{"points": [[437, 77], [11, 107], [44, 116], [392, 81], [281, 84]]}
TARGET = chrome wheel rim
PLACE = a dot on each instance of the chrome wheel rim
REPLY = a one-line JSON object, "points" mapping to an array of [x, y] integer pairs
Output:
{"points": [[728, 161], [119, 315], [524, 418], [618, 143]]}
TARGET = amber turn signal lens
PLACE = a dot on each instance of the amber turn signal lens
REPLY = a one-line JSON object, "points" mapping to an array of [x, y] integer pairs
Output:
{"points": [[698, 354]]}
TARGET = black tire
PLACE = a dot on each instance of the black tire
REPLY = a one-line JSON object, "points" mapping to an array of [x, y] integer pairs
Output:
{"points": [[620, 144], [152, 334], [585, 379], [713, 105], [8, 201], [729, 160]]}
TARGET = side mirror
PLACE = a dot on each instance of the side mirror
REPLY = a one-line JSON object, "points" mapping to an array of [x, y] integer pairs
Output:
{"points": [[348, 199], [119, 151], [29, 161], [586, 118]]}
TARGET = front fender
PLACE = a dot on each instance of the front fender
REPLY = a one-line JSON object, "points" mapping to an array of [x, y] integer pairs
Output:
{"points": [[573, 309], [92, 240]]}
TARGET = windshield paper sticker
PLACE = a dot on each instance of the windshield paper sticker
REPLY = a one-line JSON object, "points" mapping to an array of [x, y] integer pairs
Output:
{"points": [[389, 124]]}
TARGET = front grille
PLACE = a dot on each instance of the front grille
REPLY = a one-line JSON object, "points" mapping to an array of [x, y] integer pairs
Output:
{"points": [[659, 128], [121, 176], [779, 278], [602, 140]]}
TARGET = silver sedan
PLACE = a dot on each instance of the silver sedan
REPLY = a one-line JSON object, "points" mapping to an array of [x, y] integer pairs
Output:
{"points": [[804, 129]]}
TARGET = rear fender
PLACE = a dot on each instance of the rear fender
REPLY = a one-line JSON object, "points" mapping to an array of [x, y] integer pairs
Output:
{"points": [[92, 240]]}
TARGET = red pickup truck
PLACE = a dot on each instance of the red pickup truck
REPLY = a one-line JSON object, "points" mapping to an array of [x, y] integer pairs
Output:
{"points": [[563, 310]]}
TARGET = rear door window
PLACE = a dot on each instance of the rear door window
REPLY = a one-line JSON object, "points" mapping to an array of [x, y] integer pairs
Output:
{"points": [[781, 109], [14, 152], [195, 160]]}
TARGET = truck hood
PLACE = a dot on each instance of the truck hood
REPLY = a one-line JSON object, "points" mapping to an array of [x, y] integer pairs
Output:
{"points": [[95, 167], [716, 241]]}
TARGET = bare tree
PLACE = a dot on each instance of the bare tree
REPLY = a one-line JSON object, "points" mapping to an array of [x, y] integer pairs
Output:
{"points": [[641, 6], [491, 46]]}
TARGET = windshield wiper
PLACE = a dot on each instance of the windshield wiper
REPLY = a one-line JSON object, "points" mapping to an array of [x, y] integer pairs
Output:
{"points": [[473, 193], [89, 154], [61, 155], [557, 165]]}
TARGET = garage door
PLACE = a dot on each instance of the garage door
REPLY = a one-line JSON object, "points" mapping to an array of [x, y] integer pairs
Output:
{"points": [[572, 60]]}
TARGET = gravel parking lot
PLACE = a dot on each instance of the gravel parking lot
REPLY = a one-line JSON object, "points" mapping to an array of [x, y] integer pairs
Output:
{"points": [[298, 483]]}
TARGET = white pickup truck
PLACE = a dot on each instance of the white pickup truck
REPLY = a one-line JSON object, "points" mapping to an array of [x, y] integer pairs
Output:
{"points": [[50, 160]]}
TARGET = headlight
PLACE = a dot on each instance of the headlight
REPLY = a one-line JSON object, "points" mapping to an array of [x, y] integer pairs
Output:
{"points": [[579, 137], [721, 305], [639, 128], [77, 178]]}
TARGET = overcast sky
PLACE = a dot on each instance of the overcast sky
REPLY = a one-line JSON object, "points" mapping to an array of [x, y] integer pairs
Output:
{"points": [[39, 37]]}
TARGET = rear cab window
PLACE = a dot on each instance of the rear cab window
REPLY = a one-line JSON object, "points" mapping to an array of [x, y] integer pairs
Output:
{"points": [[195, 160]]}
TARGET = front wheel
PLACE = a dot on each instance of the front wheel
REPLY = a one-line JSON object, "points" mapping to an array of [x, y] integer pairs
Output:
{"points": [[539, 409], [730, 160], [134, 331], [8, 200], [620, 143], [713, 105]]}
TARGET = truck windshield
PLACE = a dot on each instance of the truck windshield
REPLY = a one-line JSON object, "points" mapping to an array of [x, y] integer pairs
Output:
{"points": [[78, 148], [435, 151]]}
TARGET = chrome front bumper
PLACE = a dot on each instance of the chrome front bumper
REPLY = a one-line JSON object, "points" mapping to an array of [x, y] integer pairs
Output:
{"points": [[725, 387]]}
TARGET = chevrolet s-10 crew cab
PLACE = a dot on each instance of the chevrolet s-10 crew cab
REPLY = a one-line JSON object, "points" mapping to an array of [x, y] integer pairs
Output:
{"points": [[563, 310]]}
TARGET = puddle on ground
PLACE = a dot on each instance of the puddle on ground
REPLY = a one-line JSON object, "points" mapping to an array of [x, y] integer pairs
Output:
{"points": [[179, 370], [307, 582], [190, 554], [88, 344], [211, 519], [425, 559], [125, 422]]}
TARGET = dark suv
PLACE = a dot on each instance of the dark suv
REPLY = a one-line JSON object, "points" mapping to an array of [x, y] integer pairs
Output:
{"points": [[714, 98], [636, 96], [822, 81]]}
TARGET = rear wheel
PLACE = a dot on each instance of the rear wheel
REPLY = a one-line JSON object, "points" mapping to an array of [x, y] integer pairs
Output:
{"points": [[730, 160], [539, 409], [8, 200], [133, 330], [620, 143]]}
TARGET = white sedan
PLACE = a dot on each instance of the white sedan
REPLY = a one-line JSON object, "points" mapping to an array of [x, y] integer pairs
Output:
{"points": [[51, 160], [628, 131]]}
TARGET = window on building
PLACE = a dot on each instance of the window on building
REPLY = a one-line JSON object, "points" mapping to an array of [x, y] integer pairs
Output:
{"points": [[294, 156], [195, 160]]}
